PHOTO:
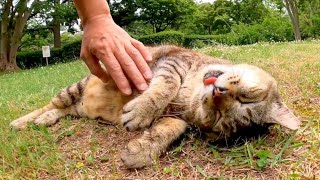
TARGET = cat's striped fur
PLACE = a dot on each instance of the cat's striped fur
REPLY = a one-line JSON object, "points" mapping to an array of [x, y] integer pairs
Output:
{"points": [[242, 96]]}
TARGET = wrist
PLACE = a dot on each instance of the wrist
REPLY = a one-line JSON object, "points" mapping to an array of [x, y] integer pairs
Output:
{"points": [[96, 18], [91, 9]]}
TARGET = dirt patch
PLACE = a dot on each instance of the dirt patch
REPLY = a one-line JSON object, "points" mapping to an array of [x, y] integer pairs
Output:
{"points": [[91, 150]]}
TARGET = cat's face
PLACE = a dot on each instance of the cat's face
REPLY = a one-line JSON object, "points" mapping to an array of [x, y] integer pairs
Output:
{"points": [[240, 95]]}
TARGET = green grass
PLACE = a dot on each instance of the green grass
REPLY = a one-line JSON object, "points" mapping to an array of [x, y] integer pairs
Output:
{"points": [[28, 153], [85, 149]]}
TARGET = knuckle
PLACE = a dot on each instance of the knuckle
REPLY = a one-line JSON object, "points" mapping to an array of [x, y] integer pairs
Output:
{"points": [[137, 42], [116, 68], [140, 44], [101, 46], [128, 63], [135, 53]]}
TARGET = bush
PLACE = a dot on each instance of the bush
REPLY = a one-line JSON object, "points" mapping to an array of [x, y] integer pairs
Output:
{"points": [[205, 40], [71, 50], [310, 31], [178, 38], [165, 37], [270, 30], [32, 59]]}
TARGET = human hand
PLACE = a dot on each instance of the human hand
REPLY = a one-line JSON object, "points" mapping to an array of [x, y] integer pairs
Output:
{"points": [[122, 56]]}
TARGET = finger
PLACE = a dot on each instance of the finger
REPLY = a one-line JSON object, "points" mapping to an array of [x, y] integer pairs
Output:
{"points": [[139, 61], [115, 71], [142, 49], [129, 66], [95, 67]]}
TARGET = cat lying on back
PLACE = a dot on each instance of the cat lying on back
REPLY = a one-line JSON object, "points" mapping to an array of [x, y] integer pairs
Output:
{"points": [[241, 96]]}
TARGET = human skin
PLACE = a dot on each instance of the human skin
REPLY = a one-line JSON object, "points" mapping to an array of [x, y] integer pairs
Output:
{"points": [[124, 58]]}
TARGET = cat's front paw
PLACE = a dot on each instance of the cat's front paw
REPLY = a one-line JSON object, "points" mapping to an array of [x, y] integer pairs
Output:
{"points": [[138, 114], [138, 153]]}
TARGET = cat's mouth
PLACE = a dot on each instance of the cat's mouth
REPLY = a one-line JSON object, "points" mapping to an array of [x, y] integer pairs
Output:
{"points": [[219, 91], [210, 78]]}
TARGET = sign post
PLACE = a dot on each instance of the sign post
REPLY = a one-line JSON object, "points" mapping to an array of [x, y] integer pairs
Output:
{"points": [[46, 53]]}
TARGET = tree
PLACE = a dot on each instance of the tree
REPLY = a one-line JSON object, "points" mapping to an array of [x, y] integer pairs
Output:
{"points": [[51, 14], [309, 18], [14, 16], [291, 6], [216, 17], [123, 11], [164, 13], [248, 11]]}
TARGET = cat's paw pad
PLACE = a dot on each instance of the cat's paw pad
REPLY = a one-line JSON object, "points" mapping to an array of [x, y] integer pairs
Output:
{"points": [[48, 118], [137, 154], [137, 114]]}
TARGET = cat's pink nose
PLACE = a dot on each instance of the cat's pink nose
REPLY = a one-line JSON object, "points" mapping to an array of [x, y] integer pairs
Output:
{"points": [[210, 80]]}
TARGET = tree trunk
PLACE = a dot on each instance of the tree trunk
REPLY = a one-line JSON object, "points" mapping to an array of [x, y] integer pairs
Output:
{"points": [[12, 26], [56, 34], [5, 34], [56, 28], [292, 9]]}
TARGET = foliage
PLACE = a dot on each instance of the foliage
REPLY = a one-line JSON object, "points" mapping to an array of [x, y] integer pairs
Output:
{"points": [[310, 18], [164, 13], [123, 11], [215, 18], [272, 29], [205, 40], [14, 16], [178, 38], [48, 11], [32, 41], [166, 37], [139, 28], [32, 59], [67, 37], [232, 22], [249, 11]]}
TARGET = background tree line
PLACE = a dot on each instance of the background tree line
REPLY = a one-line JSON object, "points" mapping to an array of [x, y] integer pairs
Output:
{"points": [[29, 24]]}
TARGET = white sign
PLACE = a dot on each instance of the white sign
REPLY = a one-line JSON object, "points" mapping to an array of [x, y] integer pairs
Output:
{"points": [[45, 51]]}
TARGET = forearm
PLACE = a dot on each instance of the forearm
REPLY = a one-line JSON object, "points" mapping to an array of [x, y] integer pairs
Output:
{"points": [[88, 9]]}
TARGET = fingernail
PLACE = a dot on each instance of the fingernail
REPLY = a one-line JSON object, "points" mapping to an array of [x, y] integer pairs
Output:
{"points": [[143, 87], [127, 91], [148, 75]]}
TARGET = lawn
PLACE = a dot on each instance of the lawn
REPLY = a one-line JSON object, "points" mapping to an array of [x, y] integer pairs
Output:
{"points": [[85, 149]]}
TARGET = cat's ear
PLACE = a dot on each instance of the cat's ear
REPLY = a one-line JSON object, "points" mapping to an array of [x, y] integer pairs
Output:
{"points": [[281, 114]]}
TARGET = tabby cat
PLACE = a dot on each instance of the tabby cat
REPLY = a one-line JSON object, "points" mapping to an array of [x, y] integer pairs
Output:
{"points": [[241, 96]]}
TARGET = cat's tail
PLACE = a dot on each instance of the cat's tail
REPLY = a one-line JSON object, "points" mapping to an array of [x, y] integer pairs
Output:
{"points": [[70, 95]]}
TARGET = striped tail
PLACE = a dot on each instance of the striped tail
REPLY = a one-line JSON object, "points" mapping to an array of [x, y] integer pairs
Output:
{"points": [[70, 95]]}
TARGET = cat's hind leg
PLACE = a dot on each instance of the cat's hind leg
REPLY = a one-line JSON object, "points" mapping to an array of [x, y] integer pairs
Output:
{"points": [[22, 122], [51, 117], [61, 105]]}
